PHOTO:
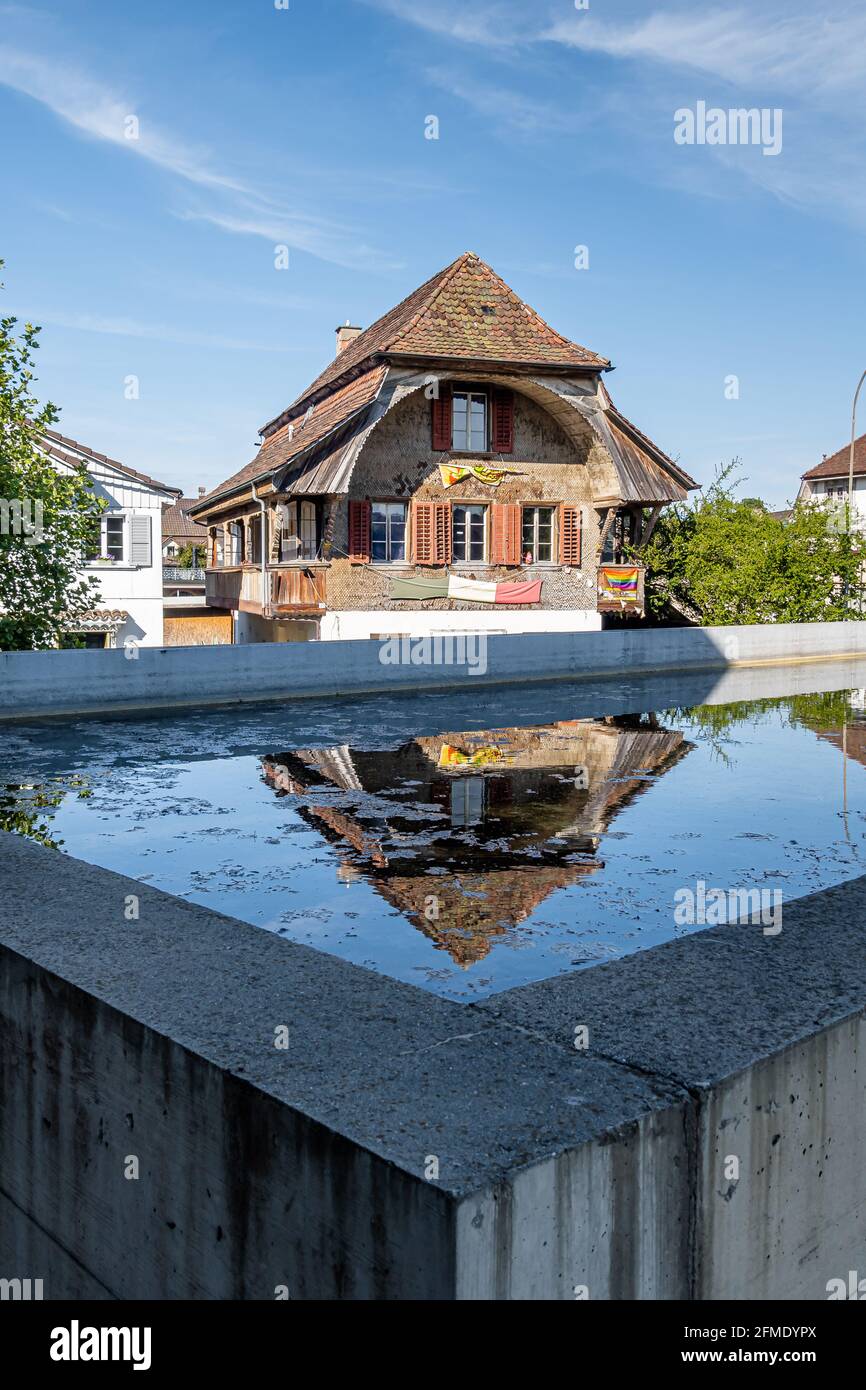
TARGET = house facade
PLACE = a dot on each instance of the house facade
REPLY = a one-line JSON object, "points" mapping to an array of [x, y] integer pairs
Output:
{"points": [[126, 556], [459, 466], [827, 482]]}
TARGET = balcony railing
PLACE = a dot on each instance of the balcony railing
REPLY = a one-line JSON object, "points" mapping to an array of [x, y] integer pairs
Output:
{"points": [[175, 574], [289, 589]]}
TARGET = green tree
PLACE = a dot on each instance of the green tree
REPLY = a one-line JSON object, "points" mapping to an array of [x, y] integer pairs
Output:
{"points": [[47, 518], [720, 559]]}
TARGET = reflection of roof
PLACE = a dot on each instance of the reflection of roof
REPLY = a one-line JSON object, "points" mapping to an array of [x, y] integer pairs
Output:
{"points": [[70, 452], [549, 792]]}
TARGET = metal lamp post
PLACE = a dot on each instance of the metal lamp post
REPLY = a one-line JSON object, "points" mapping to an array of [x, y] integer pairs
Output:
{"points": [[851, 455]]}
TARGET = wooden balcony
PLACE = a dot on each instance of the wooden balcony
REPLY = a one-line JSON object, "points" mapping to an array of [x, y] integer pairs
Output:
{"points": [[290, 589]]}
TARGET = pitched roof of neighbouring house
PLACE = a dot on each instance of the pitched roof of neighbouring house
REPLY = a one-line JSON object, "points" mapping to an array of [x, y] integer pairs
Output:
{"points": [[836, 466], [64, 450], [178, 524]]}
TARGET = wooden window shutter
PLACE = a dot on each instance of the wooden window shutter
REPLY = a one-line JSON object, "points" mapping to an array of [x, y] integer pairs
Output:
{"points": [[431, 532], [359, 532], [505, 533], [503, 422], [569, 535], [441, 415], [139, 540]]}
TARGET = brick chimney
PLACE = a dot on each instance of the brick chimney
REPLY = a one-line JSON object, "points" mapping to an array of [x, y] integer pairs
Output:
{"points": [[202, 491], [346, 334]]}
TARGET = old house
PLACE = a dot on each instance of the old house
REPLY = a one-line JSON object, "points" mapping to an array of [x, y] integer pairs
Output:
{"points": [[827, 482], [125, 554], [459, 466]]}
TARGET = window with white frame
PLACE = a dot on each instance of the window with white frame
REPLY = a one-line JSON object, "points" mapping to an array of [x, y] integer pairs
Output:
{"points": [[236, 543], [107, 542], [299, 530], [468, 533], [469, 421], [388, 532], [538, 535]]}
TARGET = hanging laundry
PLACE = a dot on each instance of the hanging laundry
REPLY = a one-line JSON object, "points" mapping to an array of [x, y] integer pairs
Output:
{"points": [[434, 587], [527, 592], [471, 590]]}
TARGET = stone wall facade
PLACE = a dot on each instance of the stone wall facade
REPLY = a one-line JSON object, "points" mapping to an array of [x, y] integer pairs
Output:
{"points": [[398, 462]]}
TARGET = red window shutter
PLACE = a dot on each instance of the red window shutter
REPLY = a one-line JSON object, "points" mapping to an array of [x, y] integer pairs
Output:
{"points": [[569, 535], [503, 422], [359, 532], [505, 533], [431, 531], [442, 419], [443, 533]]}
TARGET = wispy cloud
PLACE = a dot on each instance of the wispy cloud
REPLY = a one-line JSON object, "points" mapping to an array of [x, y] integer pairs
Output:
{"points": [[798, 51], [116, 326], [102, 114], [99, 113], [508, 107], [492, 26]]}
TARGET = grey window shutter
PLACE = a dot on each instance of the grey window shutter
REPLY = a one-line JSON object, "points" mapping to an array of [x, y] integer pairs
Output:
{"points": [[139, 540]]}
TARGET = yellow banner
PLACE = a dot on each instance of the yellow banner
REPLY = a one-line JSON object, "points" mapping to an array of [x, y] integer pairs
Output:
{"points": [[449, 756], [452, 473]]}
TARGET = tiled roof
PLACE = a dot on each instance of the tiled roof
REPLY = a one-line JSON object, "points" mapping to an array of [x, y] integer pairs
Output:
{"points": [[57, 446], [836, 466], [177, 523], [293, 438], [465, 311]]}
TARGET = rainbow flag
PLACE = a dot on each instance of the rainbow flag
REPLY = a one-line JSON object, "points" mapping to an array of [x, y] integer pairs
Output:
{"points": [[618, 582]]}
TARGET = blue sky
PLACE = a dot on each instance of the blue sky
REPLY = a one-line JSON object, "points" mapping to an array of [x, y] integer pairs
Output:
{"points": [[257, 127]]}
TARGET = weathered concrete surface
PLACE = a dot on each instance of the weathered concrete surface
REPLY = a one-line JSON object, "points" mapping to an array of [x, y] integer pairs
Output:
{"points": [[767, 1034], [607, 1169], [302, 1167], [34, 684]]}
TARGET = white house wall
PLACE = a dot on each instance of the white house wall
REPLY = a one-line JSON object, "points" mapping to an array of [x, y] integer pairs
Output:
{"points": [[137, 589]]}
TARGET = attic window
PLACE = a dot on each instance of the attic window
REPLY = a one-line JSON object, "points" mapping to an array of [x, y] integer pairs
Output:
{"points": [[488, 309]]}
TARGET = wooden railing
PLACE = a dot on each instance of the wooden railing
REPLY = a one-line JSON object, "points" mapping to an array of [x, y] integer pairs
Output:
{"points": [[297, 587], [291, 589]]}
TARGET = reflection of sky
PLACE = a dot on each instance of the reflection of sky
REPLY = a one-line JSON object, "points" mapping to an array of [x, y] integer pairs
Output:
{"points": [[765, 814]]}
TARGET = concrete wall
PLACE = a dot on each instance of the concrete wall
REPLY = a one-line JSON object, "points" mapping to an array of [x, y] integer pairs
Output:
{"points": [[309, 1167], [37, 683]]}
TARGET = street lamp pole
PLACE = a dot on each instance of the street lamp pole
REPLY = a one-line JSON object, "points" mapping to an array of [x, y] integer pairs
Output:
{"points": [[851, 455]]}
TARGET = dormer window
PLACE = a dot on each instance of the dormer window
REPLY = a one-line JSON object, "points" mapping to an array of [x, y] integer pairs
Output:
{"points": [[469, 421]]}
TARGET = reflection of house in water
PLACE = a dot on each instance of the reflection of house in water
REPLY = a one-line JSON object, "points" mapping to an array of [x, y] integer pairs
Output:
{"points": [[467, 833]]}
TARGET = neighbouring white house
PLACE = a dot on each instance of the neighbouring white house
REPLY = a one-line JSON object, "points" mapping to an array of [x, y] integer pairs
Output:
{"points": [[126, 558], [828, 481]]}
